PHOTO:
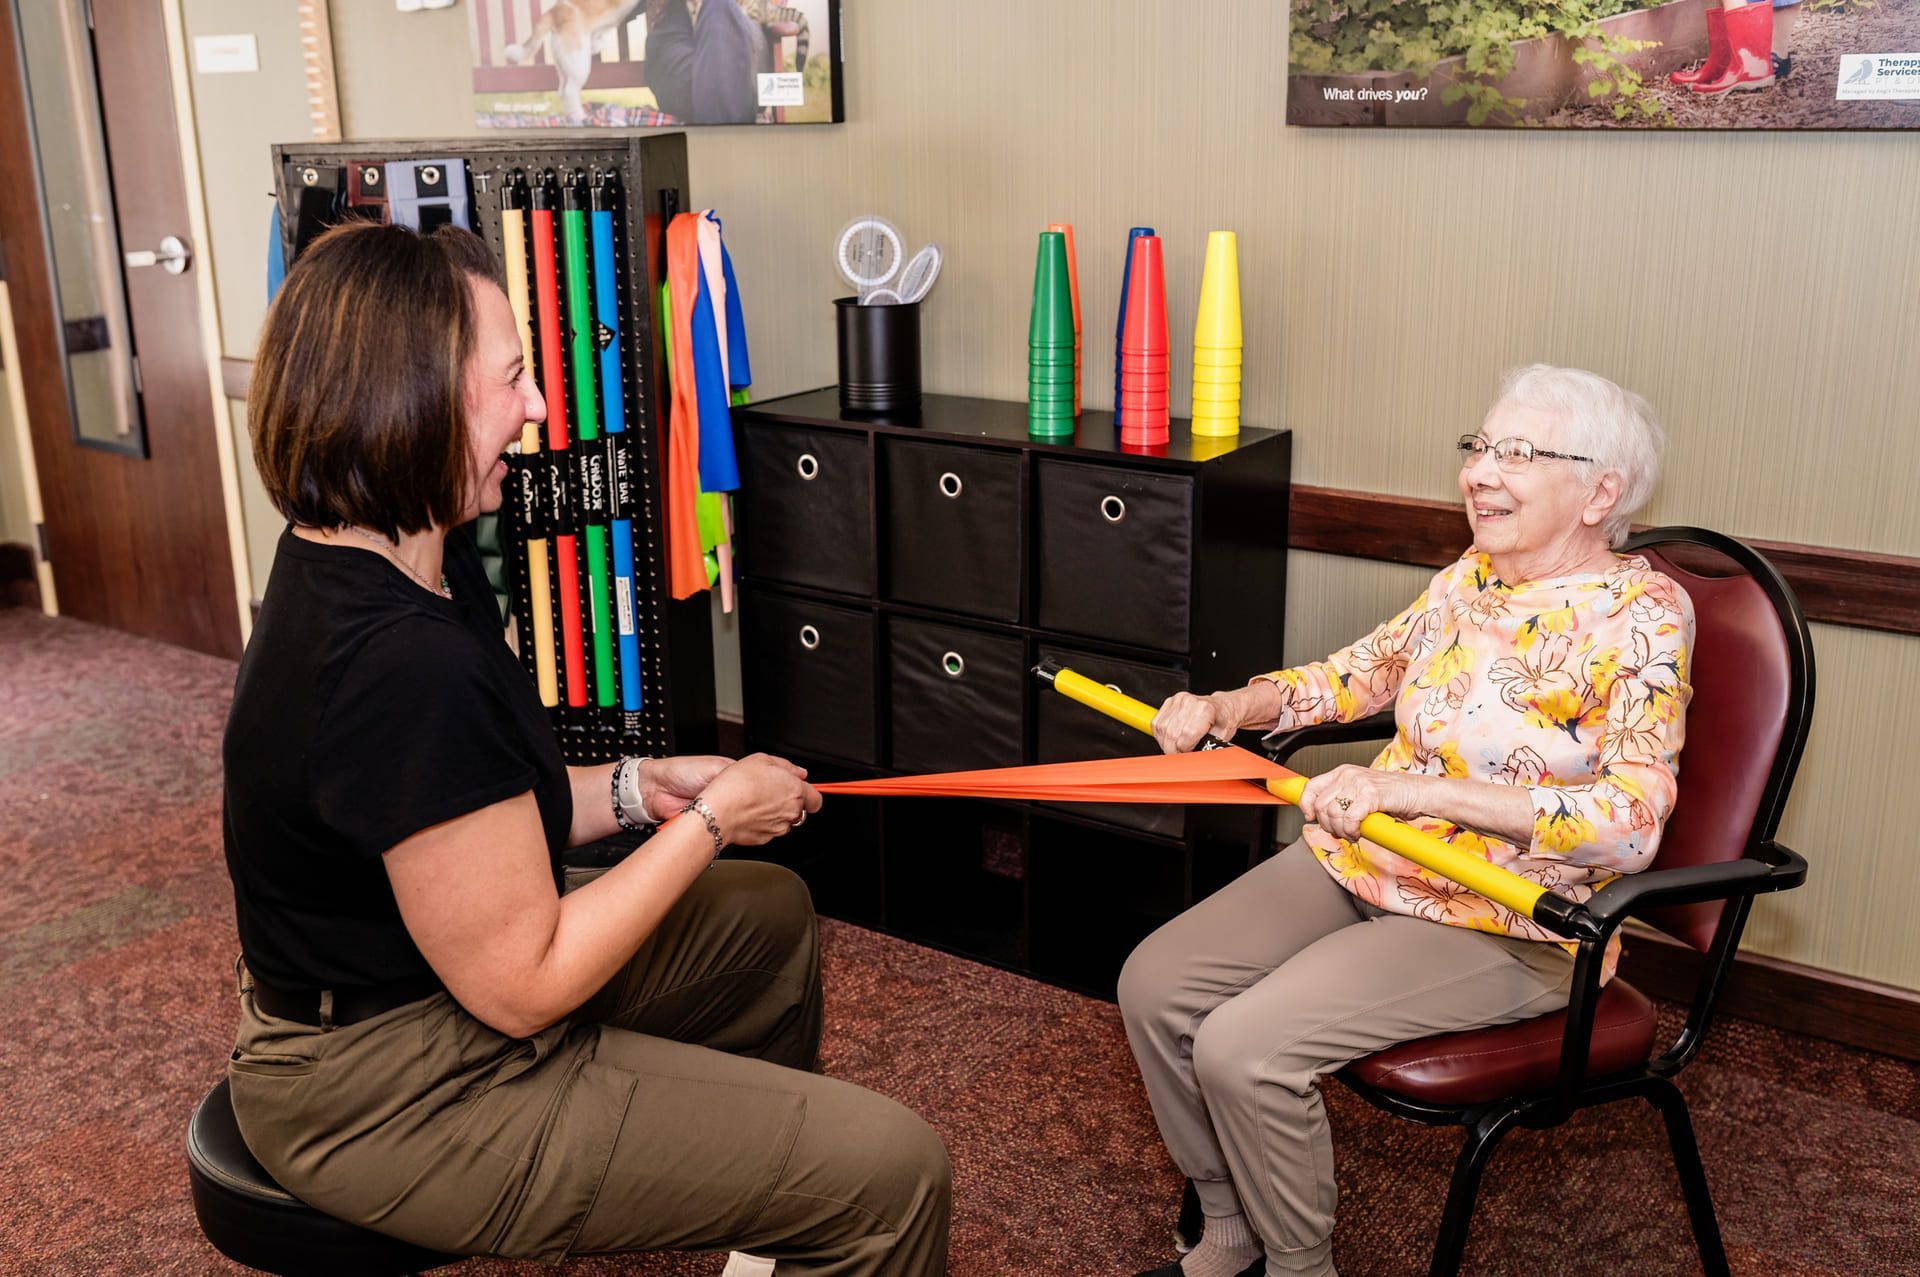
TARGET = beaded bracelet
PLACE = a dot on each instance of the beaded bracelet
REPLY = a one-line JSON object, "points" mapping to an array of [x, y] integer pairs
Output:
{"points": [[699, 808]]}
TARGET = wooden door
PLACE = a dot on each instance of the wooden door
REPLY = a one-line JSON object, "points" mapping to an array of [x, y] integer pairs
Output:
{"points": [[93, 219]]}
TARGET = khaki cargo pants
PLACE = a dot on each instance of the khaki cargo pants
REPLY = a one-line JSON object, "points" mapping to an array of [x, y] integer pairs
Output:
{"points": [[675, 1110]]}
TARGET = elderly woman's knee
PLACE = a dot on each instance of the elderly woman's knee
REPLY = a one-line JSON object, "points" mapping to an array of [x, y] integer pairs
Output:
{"points": [[1149, 979], [1239, 1046]]}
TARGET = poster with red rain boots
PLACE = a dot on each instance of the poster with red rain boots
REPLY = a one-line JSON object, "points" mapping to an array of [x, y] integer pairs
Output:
{"points": [[1605, 64]]}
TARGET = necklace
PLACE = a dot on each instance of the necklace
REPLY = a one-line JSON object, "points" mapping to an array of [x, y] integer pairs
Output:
{"points": [[393, 556]]}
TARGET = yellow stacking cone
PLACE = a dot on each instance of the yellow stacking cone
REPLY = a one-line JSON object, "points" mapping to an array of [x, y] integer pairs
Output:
{"points": [[1217, 342]]}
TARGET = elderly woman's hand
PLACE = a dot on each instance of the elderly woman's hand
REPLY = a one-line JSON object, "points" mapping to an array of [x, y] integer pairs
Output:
{"points": [[1339, 800], [1185, 718]]}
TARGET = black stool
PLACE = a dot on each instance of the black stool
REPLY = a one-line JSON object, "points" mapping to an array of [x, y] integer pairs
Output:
{"points": [[255, 1221]]}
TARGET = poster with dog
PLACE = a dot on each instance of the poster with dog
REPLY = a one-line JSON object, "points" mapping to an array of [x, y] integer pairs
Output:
{"points": [[1689, 64], [638, 63]]}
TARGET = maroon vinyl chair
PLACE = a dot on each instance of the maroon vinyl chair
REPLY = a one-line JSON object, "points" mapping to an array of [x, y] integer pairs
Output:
{"points": [[1752, 674]]}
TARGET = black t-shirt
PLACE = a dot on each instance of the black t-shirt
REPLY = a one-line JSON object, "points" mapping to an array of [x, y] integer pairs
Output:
{"points": [[366, 710]]}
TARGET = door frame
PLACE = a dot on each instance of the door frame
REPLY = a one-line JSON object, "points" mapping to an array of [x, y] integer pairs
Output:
{"points": [[211, 343], [36, 322]]}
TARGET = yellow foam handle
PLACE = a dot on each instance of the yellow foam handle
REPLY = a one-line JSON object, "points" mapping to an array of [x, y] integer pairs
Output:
{"points": [[1502, 886], [1078, 687]]}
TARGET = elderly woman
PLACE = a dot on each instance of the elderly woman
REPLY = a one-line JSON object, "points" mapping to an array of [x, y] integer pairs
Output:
{"points": [[435, 1042], [1539, 687]]}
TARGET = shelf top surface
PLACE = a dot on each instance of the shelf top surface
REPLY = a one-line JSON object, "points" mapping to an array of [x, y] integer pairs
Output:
{"points": [[1004, 421]]}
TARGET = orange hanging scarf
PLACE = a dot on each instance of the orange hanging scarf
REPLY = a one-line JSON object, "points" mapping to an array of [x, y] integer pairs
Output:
{"points": [[686, 561]]}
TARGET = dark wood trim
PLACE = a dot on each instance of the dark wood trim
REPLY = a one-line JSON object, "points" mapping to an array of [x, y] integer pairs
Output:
{"points": [[1784, 995], [19, 581], [1840, 587], [236, 375]]}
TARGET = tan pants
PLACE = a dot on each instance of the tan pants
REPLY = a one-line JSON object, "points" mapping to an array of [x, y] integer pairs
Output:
{"points": [[673, 1111], [1239, 1006]]}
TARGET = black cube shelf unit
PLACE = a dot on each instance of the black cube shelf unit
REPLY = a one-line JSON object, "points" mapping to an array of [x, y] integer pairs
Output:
{"points": [[900, 580]]}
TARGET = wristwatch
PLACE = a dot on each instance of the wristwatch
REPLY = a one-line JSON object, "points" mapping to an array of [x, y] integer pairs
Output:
{"points": [[629, 803]]}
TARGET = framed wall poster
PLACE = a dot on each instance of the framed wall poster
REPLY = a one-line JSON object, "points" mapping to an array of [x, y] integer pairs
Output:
{"points": [[632, 63], [1695, 64]]}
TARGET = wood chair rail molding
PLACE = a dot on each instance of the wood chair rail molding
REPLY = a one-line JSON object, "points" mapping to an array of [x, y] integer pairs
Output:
{"points": [[1840, 587]]}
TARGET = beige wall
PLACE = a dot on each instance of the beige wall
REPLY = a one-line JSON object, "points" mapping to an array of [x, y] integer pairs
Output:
{"points": [[1758, 288], [238, 116]]}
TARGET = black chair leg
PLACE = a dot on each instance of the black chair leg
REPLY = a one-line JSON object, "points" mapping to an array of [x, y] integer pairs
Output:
{"points": [[1450, 1247], [1666, 1097], [1186, 1233]]}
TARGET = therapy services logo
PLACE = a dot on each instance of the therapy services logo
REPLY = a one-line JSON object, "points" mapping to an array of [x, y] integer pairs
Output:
{"points": [[1878, 77]]}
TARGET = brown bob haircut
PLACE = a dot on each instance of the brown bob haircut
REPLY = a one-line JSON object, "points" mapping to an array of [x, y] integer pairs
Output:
{"points": [[357, 404]]}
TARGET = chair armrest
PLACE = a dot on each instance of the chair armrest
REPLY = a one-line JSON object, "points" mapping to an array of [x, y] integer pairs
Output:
{"points": [[1374, 727], [1775, 868]]}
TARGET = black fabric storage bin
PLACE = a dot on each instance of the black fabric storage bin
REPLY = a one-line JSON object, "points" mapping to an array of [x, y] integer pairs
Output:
{"points": [[804, 502], [1113, 549], [1067, 731], [958, 697], [837, 851], [807, 676], [952, 522]]}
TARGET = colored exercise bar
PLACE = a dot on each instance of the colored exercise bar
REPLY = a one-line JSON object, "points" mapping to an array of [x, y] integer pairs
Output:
{"points": [[606, 308], [513, 240], [586, 413], [553, 384], [1554, 912]]}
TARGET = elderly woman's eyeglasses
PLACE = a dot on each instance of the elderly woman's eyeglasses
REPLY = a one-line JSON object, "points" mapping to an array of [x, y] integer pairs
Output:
{"points": [[1509, 454]]}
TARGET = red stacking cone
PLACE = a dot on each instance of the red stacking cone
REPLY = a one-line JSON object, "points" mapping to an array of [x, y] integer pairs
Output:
{"points": [[1141, 411]]}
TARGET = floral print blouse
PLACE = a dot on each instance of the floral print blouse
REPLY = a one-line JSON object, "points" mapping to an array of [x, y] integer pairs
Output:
{"points": [[1573, 688]]}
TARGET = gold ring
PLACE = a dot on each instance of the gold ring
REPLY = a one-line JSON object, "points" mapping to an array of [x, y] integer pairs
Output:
{"points": [[1344, 803]]}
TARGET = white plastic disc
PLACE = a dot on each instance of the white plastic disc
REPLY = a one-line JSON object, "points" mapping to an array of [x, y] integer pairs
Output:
{"points": [[868, 252], [920, 273], [880, 297]]}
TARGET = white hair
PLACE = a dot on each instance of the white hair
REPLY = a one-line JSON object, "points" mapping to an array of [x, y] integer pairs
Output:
{"points": [[1604, 421]]}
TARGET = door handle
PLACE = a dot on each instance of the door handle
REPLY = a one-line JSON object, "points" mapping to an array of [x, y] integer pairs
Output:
{"points": [[172, 256]]}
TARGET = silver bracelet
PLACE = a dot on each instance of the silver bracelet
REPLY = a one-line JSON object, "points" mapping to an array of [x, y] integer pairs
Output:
{"points": [[699, 808], [629, 804]]}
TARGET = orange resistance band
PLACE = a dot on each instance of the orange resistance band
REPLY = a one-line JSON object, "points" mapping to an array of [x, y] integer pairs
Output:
{"points": [[1214, 776]]}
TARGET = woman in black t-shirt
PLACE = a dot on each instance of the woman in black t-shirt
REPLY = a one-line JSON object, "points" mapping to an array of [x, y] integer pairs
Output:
{"points": [[436, 1041]]}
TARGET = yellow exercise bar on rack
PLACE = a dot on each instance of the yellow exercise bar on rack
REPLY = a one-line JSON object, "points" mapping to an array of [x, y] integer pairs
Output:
{"points": [[1554, 912]]}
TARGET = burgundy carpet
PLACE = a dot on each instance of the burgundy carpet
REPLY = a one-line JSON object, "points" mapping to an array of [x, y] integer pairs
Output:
{"points": [[116, 950]]}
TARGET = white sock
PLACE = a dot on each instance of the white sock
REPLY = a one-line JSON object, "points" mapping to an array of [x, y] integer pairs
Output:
{"points": [[739, 1265], [1226, 1246]]}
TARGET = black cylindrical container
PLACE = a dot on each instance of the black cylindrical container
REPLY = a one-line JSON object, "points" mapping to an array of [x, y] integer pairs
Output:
{"points": [[879, 356]]}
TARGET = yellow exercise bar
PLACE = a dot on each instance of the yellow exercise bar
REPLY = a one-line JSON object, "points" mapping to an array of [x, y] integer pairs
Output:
{"points": [[1554, 912]]}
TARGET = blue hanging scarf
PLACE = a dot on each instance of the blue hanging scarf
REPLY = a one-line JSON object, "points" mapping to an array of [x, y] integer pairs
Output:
{"points": [[719, 470]]}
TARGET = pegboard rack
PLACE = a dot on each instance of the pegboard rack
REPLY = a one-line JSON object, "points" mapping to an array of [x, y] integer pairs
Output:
{"points": [[675, 638]]}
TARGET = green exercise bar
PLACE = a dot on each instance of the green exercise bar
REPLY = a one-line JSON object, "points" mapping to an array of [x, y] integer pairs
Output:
{"points": [[584, 366]]}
